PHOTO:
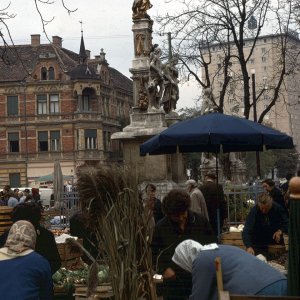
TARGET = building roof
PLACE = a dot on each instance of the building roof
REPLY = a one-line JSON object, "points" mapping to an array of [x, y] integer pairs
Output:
{"points": [[19, 61], [82, 53], [83, 71], [121, 80]]}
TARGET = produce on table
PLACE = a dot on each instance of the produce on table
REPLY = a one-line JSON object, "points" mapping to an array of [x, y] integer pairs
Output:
{"points": [[69, 278]]}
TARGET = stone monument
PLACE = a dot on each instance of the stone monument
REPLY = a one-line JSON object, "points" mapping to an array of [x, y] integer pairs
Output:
{"points": [[155, 94]]}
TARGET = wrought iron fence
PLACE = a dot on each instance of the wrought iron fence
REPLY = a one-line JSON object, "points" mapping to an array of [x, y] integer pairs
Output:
{"points": [[240, 199]]}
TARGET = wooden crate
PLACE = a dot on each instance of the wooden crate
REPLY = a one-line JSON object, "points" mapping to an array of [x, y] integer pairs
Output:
{"points": [[5, 218], [233, 239], [102, 292]]}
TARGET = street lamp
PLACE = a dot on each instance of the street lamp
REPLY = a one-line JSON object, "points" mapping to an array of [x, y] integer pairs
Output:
{"points": [[255, 120]]}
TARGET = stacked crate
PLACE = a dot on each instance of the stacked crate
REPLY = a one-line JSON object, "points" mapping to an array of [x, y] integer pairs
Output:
{"points": [[5, 218], [233, 239]]}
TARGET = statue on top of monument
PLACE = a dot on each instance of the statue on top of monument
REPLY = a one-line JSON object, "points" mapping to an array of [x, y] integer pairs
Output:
{"points": [[171, 90], [156, 78], [139, 9], [208, 103]]}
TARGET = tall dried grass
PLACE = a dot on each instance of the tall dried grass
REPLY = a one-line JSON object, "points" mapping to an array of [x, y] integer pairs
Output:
{"points": [[116, 213]]}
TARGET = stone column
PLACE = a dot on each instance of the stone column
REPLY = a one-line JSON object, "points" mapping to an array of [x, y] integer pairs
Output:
{"points": [[164, 170], [142, 38], [79, 103]]}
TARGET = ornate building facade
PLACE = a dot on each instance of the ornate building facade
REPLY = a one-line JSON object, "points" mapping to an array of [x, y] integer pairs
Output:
{"points": [[58, 105]]}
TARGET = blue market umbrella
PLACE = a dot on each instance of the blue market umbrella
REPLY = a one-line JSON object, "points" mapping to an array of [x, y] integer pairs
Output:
{"points": [[216, 132]]}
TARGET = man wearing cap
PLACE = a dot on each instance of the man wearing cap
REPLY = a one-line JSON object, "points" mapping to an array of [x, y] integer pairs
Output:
{"points": [[198, 204], [215, 202], [239, 271]]}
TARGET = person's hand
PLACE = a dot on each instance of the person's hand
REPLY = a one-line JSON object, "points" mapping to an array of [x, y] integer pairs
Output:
{"points": [[250, 250], [169, 273], [277, 235]]}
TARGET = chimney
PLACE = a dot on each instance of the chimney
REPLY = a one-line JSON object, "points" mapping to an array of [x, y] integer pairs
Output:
{"points": [[35, 39], [57, 41], [88, 53]]}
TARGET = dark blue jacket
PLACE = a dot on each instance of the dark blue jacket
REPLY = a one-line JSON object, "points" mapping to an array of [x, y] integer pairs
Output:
{"points": [[242, 272], [26, 277], [259, 228]]}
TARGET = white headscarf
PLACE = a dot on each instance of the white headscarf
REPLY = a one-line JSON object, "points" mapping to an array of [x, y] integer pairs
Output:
{"points": [[187, 251]]}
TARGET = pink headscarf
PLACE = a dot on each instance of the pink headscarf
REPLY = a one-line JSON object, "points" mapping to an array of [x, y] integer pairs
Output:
{"points": [[21, 237]]}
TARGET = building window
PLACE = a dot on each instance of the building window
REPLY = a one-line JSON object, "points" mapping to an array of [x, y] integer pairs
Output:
{"points": [[263, 50], [43, 73], [12, 105], [54, 140], [15, 179], [263, 59], [90, 136], [13, 141], [54, 104], [42, 104], [43, 140], [85, 102], [51, 74]]}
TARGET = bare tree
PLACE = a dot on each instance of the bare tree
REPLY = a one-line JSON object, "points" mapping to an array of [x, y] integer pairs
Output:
{"points": [[6, 14], [233, 27]]}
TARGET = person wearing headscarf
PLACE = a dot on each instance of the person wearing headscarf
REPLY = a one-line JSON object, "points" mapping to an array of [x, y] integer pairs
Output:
{"points": [[24, 274], [242, 273], [45, 241]]}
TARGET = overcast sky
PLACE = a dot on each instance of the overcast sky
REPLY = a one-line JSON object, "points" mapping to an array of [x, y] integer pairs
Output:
{"points": [[106, 24]]}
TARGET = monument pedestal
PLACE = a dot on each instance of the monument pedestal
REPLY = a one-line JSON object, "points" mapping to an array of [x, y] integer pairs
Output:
{"points": [[150, 168]]}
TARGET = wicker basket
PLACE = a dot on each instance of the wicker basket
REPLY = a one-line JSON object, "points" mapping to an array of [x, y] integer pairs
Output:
{"points": [[276, 250], [68, 250]]}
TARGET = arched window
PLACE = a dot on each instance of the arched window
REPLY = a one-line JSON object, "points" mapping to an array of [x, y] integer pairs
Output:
{"points": [[43, 73], [51, 75]]}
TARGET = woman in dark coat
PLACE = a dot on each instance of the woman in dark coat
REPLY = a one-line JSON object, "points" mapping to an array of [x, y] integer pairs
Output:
{"points": [[178, 225]]}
